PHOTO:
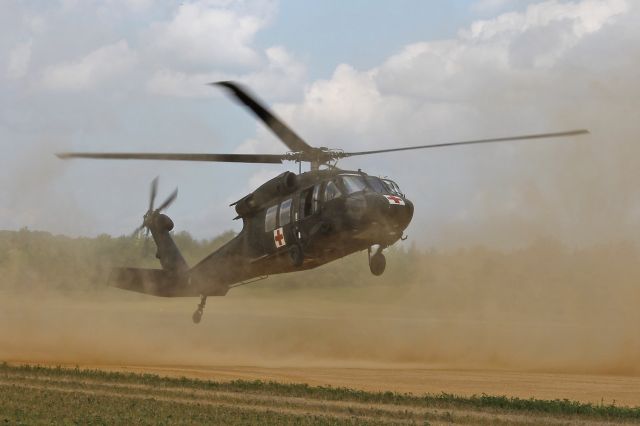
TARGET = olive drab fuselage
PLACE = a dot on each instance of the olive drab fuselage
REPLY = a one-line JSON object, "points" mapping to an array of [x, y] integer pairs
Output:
{"points": [[294, 223]]}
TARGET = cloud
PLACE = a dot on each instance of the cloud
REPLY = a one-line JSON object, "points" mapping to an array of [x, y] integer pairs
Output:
{"points": [[279, 77], [99, 66], [546, 30], [206, 33], [19, 59], [432, 84], [490, 5], [133, 5]]}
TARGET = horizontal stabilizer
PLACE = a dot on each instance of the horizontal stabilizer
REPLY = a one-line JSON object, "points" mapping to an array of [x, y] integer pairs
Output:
{"points": [[156, 282]]}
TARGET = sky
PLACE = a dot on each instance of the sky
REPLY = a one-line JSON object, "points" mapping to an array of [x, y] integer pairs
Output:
{"points": [[130, 75]]}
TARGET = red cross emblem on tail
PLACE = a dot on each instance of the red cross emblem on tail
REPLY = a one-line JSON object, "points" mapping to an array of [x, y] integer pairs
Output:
{"points": [[397, 201], [278, 237]]}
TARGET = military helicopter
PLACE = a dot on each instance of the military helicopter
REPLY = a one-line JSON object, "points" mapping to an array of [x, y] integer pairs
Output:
{"points": [[292, 222]]}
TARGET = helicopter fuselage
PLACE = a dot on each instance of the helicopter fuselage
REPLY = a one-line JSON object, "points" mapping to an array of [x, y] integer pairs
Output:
{"points": [[312, 219]]}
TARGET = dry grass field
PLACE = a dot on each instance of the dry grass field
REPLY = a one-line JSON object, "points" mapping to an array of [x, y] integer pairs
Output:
{"points": [[33, 395]]}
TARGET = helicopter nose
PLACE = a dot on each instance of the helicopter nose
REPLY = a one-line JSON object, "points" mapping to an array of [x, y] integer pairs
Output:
{"points": [[394, 211], [399, 211]]}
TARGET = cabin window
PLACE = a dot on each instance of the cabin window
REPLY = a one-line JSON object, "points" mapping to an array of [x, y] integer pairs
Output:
{"points": [[270, 219], [331, 191], [316, 198], [285, 212], [306, 203], [353, 183]]}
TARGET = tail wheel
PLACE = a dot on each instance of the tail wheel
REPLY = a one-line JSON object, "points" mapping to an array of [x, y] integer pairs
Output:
{"points": [[377, 264], [296, 255], [197, 315]]}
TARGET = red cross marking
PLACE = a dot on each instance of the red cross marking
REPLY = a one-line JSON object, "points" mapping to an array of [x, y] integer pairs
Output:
{"points": [[396, 200], [278, 237]]}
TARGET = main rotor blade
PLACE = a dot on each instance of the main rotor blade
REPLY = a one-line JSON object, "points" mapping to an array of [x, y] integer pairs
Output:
{"points": [[276, 125], [472, 142], [154, 191], [224, 158], [168, 201]]}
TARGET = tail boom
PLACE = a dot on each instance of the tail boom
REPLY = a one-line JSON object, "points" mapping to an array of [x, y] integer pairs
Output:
{"points": [[156, 282]]}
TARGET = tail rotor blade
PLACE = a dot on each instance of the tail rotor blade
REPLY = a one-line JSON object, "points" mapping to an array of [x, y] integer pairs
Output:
{"points": [[136, 233], [145, 246], [154, 192], [168, 201]]}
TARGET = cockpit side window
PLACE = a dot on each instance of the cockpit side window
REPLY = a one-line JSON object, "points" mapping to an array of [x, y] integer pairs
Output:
{"points": [[353, 183], [270, 218], [331, 191]]}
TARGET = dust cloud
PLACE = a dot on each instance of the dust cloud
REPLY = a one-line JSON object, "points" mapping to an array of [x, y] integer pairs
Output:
{"points": [[543, 308]]}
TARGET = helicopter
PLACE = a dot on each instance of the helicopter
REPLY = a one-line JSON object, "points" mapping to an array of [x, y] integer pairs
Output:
{"points": [[292, 222]]}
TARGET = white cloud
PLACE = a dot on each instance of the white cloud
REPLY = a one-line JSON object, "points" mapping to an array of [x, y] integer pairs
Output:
{"points": [[490, 5], [210, 33], [493, 54], [19, 59], [101, 65], [133, 5], [169, 82], [36, 24], [279, 77], [546, 30]]}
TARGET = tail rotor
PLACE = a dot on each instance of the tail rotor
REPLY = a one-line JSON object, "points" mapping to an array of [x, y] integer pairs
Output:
{"points": [[152, 216]]}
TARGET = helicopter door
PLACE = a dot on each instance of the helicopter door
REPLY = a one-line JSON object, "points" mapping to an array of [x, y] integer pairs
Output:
{"points": [[284, 235], [306, 203], [271, 229], [305, 212]]}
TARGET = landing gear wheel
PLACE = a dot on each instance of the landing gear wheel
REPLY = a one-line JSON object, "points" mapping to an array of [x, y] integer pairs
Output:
{"points": [[296, 255], [197, 315], [377, 264]]}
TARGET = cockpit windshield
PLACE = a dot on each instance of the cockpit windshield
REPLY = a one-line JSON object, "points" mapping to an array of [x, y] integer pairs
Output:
{"points": [[393, 187], [353, 183], [377, 185], [383, 186], [356, 183]]}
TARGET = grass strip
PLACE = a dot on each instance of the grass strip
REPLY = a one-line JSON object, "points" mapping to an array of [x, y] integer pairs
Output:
{"points": [[563, 407]]}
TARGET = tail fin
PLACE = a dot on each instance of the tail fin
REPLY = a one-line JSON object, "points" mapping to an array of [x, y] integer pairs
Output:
{"points": [[168, 253]]}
